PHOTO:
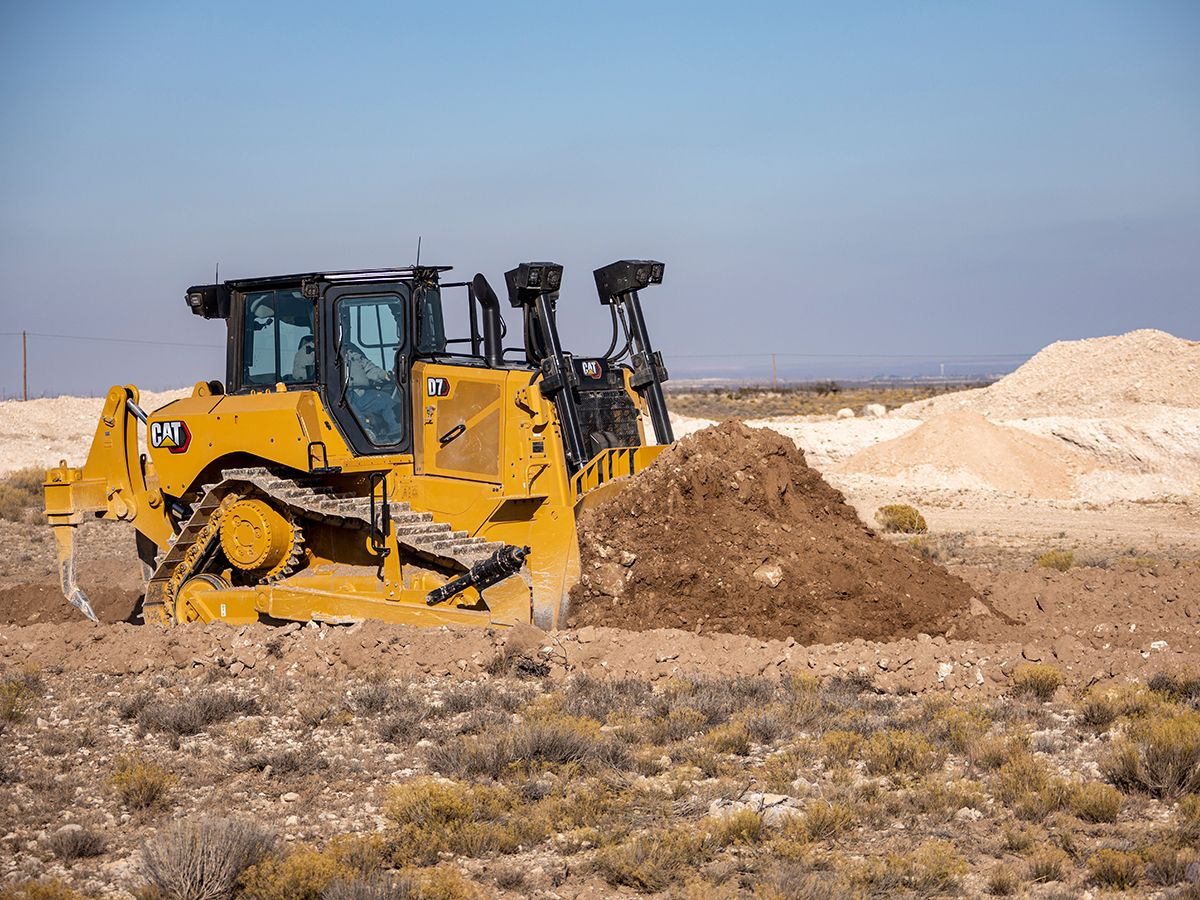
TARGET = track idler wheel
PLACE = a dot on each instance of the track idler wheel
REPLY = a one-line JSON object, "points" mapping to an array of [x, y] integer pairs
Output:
{"points": [[256, 537]]}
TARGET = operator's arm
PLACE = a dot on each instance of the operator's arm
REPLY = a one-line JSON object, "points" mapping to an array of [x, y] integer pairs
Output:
{"points": [[363, 372]]}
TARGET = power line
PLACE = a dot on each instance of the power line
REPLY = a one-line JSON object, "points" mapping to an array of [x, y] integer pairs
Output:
{"points": [[109, 340]]}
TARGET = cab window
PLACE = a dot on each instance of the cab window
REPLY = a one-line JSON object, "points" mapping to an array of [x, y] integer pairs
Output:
{"points": [[278, 340], [370, 332]]}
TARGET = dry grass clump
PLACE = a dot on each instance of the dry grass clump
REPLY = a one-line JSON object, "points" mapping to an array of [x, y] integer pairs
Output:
{"points": [[303, 874], [195, 712], [746, 827], [1102, 706], [1037, 680], [1096, 802], [1059, 560], [1047, 865], [1181, 686], [1165, 866], [898, 751], [202, 859], [1003, 882], [900, 518], [141, 784], [823, 820], [1187, 821], [435, 817], [1024, 784], [373, 697], [653, 860], [21, 496], [590, 697], [732, 737], [1159, 756], [1115, 869], [545, 739], [933, 868], [18, 695], [71, 843], [375, 886], [53, 889]]}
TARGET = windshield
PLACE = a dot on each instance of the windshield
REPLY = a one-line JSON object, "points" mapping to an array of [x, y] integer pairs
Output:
{"points": [[370, 332]]}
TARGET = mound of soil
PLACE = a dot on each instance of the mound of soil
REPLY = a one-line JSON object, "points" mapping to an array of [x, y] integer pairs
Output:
{"points": [[114, 588], [962, 448], [730, 530]]}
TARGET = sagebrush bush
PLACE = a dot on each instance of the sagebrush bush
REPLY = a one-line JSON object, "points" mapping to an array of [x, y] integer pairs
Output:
{"points": [[70, 844], [898, 751], [1159, 756], [16, 698], [202, 859], [1060, 560], [195, 712], [1115, 869], [1096, 802], [21, 495], [303, 874], [141, 784], [823, 820], [1038, 680], [1047, 864], [745, 826], [1003, 882], [901, 518], [52, 889], [654, 860]]}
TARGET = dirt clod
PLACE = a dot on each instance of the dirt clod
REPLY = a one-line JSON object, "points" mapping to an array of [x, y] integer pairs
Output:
{"points": [[720, 510]]}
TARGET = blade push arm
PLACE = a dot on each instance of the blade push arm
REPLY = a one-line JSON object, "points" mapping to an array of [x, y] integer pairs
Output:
{"points": [[112, 484]]}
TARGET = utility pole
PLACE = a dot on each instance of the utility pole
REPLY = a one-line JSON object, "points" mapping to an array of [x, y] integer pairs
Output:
{"points": [[774, 374], [24, 368]]}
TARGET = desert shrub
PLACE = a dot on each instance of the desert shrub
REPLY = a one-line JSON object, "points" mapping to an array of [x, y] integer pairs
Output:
{"points": [[766, 725], [16, 698], [933, 868], [435, 817], [675, 725], [1025, 784], [376, 886], [1182, 686], [70, 844], [194, 713], [1046, 865], [405, 722], [1060, 560], [897, 751], [1187, 820], [1115, 869], [746, 826], [555, 740], [1160, 756], [284, 763], [1096, 802], [839, 747], [467, 697], [21, 495], [900, 518], [732, 737], [472, 757], [1165, 866], [595, 698], [991, 751], [653, 860], [202, 859], [141, 784], [302, 875], [373, 697], [823, 820], [956, 727], [1003, 882], [53, 889], [1038, 680]]}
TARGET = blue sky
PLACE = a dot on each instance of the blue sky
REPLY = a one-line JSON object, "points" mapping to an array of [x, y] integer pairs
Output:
{"points": [[862, 178]]}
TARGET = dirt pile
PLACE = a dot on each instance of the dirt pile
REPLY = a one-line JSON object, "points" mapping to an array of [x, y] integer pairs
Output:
{"points": [[730, 530], [963, 450], [1094, 377]]}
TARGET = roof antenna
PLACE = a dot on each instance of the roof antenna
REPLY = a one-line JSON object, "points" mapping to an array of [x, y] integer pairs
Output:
{"points": [[418, 250], [217, 275]]}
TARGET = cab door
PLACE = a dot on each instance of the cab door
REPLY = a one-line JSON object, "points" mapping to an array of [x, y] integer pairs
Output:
{"points": [[460, 414], [368, 339]]}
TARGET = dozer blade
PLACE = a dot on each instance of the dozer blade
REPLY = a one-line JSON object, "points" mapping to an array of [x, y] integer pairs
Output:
{"points": [[64, 535]]}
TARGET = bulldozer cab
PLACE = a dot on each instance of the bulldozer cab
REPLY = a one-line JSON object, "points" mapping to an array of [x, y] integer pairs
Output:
{"points": [[354, 337]]}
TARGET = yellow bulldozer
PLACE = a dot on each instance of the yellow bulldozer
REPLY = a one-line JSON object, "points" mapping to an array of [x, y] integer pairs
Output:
{"points": [[356, 463]]}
